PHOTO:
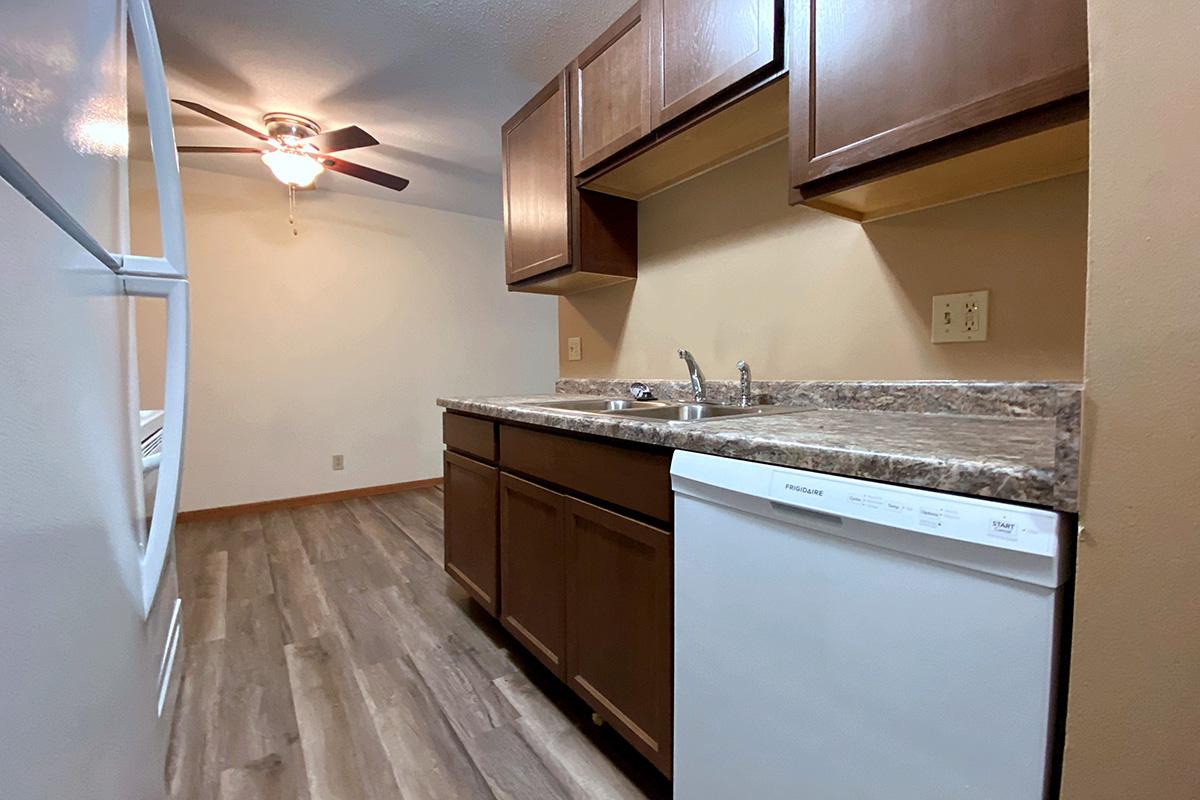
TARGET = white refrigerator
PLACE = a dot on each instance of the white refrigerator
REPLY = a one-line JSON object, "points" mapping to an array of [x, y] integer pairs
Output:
{"points": [[89, 609]]}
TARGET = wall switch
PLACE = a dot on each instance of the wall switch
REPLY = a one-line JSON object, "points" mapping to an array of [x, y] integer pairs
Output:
{"points": [[960, 317], [339, 461], [574, 348]]}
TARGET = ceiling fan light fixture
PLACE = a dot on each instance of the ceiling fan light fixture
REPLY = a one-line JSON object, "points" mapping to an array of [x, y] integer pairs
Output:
{"points": [[292, 168]]}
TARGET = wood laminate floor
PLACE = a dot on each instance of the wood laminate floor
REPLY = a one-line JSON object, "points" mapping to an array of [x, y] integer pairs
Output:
{"points": [[329, 657]]}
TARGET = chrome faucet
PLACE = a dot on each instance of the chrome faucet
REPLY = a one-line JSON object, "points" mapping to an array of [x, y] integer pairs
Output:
{"points": [[747, 398], [694, 375]]}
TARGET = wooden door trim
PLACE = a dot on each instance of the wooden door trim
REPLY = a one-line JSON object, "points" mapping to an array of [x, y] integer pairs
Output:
{"points": [[807, 165], [491, 602], [771, 24], [658, 540], [556, 662], [564, 259], [618, 29], [263, 506]]}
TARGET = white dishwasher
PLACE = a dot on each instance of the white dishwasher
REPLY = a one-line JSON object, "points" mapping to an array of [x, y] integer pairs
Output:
{"points": [[838, 639]]}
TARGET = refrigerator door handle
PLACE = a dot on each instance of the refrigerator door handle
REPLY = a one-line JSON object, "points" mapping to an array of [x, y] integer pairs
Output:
{"points": [[20, 179], [170, 471], [173, 263]]}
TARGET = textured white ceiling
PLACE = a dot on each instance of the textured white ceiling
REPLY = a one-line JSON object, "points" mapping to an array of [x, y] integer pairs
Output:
{"points": [[432, 79]]}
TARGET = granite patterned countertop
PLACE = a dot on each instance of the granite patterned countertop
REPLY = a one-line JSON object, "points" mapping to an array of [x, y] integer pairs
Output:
{"points": [[1020, 442]]}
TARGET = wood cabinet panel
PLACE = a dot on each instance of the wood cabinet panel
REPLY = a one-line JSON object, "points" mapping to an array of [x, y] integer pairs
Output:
{"points": [[636, 478], [537, 185], [471, 435], [619, 616], [472, 526], [532, 573], [608, 86], [700, 47], [557, 238], [871, 80]]}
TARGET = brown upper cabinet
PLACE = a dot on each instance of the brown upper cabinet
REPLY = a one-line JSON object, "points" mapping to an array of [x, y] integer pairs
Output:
{"points": [[558, 239], [878, 89], [699, 48], [610, 93], [537, 185]]}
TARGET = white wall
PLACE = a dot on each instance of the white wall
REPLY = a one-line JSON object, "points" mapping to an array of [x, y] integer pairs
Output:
{"points": [[727, 269], [1133, 716], [337, 340]]}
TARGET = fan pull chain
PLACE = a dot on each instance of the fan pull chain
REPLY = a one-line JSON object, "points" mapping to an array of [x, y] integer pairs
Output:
{"points": [[292, 208]]}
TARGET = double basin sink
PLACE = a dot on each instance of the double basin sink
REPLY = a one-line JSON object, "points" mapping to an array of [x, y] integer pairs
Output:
{"points": [[661, 411]]}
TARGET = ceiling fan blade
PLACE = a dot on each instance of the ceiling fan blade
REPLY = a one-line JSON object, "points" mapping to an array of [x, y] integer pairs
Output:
{"points": [[186, 148], [363, 173], [221, 118], [341, 139]]}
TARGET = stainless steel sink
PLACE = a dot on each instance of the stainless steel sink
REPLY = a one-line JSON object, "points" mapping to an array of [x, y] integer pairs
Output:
{"points": [[601, 405], [657, 410], [694, 412]]}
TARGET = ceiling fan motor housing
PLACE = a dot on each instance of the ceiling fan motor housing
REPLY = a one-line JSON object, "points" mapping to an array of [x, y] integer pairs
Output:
{"points": [[280, 124]]}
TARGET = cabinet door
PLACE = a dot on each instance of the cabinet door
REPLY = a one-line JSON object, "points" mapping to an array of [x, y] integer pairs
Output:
{"points": [[471, 535], [872, 79], [608, 84], [699, 47], [531, 569], [619, 624], [536, 184]]}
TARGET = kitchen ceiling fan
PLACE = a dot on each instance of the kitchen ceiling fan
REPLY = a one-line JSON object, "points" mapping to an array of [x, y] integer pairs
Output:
{"points": [[296, 150]]}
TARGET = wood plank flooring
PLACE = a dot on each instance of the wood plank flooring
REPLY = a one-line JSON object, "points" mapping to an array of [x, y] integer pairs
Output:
{"points": [[329, 657]]}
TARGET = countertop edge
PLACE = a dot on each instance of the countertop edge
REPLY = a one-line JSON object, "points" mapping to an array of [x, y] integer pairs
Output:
{"points": [[1032, 485]]}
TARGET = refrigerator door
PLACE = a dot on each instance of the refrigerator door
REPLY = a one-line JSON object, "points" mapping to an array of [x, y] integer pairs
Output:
{"points": [[80, 661], [144, 276], [87, 670]]}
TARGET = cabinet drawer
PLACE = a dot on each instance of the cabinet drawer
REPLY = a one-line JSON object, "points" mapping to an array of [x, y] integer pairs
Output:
{"points": [[470, 435], [629, 477]]}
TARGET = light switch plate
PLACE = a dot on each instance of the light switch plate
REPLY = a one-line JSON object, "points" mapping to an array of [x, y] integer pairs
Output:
{"points": [[960, 317], [574, 348]]}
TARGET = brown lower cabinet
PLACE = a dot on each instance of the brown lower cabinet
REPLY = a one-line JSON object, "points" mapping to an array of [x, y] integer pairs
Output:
{"points": [[619, 610], [576, 566], [471, 490], [532, 577]]}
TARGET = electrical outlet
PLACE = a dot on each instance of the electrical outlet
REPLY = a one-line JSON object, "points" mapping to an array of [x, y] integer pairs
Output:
{"points": [[574, 348], [960, 317], [339, 461]]}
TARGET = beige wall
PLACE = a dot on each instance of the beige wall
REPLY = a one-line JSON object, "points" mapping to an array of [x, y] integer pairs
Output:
{"points": [[729, 270], [336, 341], [1133, 723]]}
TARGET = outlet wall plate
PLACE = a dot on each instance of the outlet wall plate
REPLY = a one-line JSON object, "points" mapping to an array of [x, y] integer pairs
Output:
{"points": [[339, 461], [961, 317], [574, 348]]}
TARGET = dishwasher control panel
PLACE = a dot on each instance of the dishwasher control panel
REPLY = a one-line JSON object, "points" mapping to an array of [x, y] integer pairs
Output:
{"points": [[1012, 527]]}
